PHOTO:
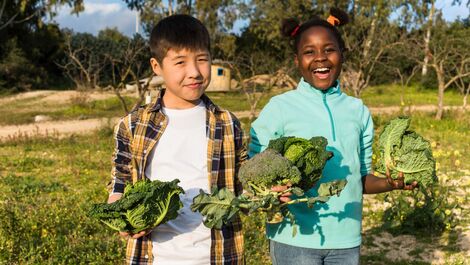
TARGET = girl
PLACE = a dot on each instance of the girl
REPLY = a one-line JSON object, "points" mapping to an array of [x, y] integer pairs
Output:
{"points": [[329, 233]]}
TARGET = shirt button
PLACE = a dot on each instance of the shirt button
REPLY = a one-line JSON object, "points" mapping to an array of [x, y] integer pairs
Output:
{"points": [[161, 123], [146, 256]]}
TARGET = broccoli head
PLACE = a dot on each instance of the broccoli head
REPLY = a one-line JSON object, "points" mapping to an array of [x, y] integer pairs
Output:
{"points": [[267, 169]]}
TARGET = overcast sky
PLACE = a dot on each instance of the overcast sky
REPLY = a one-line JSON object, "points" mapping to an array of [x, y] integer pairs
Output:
{"points": [[100, 14]]}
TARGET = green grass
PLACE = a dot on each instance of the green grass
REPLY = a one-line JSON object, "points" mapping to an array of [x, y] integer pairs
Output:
{"points": [[47, 186], [390, 95]]}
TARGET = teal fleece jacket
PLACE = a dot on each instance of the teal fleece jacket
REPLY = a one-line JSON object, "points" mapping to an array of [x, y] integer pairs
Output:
{"points": [[347, 124]]}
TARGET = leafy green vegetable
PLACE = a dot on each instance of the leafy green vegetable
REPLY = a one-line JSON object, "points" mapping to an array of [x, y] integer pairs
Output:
{"points": [[144, 205], [309, 156], [403, 150], [266, 170], [221, 206]]}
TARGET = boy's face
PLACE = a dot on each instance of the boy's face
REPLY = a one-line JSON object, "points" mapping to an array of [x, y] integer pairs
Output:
{"points": [[319, 57], [186, 73]]}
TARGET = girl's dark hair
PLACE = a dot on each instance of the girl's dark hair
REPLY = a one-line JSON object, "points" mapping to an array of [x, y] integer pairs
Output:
{"points": [[293, 29], [178, 32]]}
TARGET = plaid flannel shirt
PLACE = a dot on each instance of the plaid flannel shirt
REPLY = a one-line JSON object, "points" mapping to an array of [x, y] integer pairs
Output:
{"points": [[135, 136]]}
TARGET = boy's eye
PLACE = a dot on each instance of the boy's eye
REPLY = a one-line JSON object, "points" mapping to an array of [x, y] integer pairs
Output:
{"points": [[328, 50], [179, 62], [308, 52]]}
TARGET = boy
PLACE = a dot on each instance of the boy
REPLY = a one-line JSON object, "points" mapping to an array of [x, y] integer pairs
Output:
{"points": [[181, 135]]}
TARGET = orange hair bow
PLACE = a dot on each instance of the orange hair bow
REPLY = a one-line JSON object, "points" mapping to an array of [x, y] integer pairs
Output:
{"points": [[333, 20]]}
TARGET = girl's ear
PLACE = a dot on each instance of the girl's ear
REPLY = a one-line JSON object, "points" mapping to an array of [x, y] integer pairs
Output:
{"points": [[296, 60], [156, 67]]}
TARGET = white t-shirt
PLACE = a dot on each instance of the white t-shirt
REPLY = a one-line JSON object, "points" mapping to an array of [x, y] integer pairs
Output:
{"points": [[181, 153]]}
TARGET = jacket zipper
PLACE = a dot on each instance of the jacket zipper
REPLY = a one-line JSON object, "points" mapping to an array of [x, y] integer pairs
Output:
{"points": [[333, 134]]}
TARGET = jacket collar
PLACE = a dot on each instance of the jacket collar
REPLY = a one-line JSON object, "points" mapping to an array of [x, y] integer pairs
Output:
{"points": [[158, 103], [307, 89]]}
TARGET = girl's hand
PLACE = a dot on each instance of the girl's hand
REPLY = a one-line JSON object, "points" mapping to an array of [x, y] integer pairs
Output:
{"points": [[399, 183], [284, 196]]}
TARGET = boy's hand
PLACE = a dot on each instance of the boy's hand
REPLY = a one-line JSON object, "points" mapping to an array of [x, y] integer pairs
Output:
{"points": [[284, 196], [399, 183], [128, 235]]}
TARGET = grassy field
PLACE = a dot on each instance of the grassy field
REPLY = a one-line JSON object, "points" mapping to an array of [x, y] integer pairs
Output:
{"points": [[48, 184]]}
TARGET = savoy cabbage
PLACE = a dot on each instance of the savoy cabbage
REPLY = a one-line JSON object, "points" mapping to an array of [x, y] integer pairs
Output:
{"points": [[145, 204], [403, 150]]}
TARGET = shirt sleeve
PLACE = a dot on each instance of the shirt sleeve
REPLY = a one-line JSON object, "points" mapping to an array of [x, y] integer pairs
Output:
{"points": [[268, 126], [121, 162], [367, 138], [240, 153]]}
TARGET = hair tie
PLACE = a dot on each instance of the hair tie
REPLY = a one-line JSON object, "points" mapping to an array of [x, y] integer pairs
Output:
{"points": [[295, 31], [333, 20]]}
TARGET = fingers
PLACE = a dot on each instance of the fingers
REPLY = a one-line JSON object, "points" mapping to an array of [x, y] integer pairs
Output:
{"points": [[279, 188], [140, 234], [284, 198], [411, 186], [135, 236], [124, 234]]}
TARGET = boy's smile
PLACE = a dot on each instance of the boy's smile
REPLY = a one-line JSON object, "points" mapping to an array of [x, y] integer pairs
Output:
{"points": [[319, 57], [186, 73]]}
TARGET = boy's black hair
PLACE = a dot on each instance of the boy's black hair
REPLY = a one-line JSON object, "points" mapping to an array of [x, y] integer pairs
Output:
{"points": [[293, 29], [178, 32]]}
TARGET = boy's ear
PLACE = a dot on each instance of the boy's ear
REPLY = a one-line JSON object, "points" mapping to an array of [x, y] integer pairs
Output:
{"points": [[156, 67], [296, 60]]}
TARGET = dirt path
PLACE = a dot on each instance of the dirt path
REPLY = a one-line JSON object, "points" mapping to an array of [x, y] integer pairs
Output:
{"points": [[54, 128]]}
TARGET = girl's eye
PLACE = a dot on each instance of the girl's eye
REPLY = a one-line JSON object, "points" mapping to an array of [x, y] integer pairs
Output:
{"points": [[179, 62], [203, 59], [308, 52], [330, 50]]}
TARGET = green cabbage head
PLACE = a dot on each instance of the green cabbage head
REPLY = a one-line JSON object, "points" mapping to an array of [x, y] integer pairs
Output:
{"points": [[145, 204], [403, 150]]}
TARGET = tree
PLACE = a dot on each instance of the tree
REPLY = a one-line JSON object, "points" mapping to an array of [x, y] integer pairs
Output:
{"points": [[463, 83], [449, 57], [28, 46], [32, 12], [368, 38], [84, 60], [255, 76], [128, 62]]}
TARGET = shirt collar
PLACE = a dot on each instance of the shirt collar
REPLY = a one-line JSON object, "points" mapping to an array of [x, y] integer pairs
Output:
{"points": [[158, 103], [306, 88]]}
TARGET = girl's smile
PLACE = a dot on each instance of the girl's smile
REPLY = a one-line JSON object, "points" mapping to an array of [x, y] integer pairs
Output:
{"points": [[319, 57]]}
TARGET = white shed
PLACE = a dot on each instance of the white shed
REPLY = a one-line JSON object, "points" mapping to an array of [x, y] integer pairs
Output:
{"points": [[220, 77]]}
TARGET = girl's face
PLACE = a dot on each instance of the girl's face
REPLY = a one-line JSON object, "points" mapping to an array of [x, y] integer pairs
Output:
{"points": [[319, 57]]}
